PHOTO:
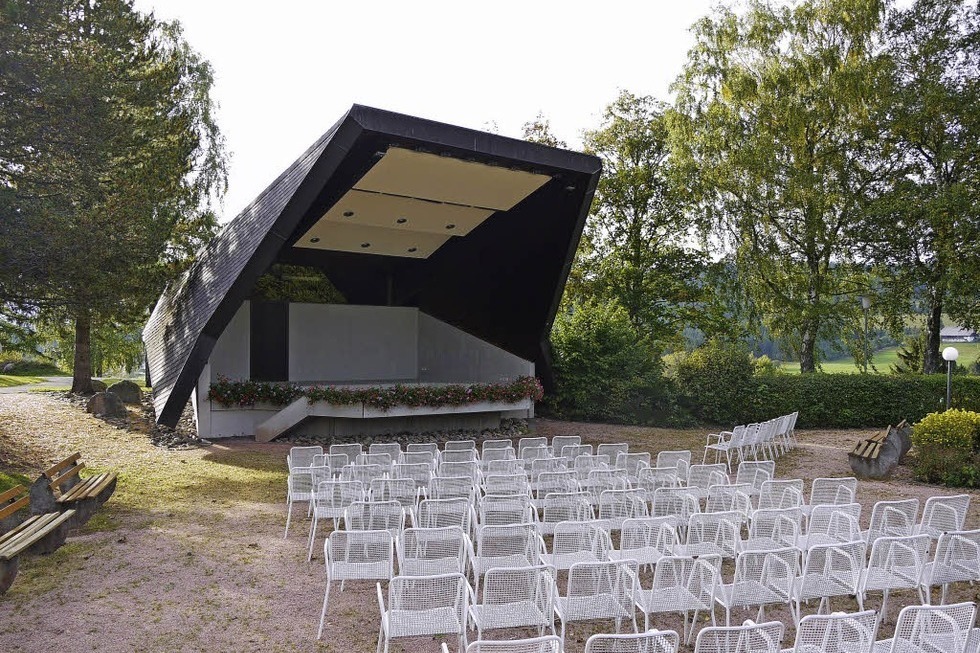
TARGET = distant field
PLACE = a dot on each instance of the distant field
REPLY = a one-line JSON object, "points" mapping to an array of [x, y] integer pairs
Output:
{"points": [[883, 359]]}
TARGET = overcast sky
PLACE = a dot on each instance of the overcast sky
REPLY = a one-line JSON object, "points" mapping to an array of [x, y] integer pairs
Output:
{"points": [[284, 74]]}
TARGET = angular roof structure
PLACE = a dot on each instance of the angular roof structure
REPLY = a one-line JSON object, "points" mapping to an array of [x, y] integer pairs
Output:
{"points": [[475, 229]]}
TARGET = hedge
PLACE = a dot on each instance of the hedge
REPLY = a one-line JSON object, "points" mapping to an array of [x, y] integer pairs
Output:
{"points": [[828, 400]]}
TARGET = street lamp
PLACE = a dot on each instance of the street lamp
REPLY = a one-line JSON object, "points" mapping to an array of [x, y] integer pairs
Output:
{"points": [[950, 354], [866, 304]]}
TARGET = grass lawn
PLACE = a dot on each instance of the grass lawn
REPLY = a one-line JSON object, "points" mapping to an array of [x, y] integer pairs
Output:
{"points": [[8, 380], [883, 359]]}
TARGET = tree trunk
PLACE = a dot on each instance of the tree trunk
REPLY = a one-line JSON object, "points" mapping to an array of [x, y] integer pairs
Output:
{"points": [[82, 369], [932, 361], [808, 361]]}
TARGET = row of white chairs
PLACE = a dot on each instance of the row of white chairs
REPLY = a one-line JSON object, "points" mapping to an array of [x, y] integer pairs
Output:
{"points": [[920, 628], [768, 439]]}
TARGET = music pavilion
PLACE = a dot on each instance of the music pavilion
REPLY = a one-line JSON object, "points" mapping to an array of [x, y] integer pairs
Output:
{"points": [[450, 246]]}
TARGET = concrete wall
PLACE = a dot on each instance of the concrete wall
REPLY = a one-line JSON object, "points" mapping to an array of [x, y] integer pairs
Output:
{"points": [[450, 355]]}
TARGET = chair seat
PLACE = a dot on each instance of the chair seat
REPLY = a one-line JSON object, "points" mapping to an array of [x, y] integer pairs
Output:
{"points": [[568, 559], [360, 570], [647, 555], [701, 549], [750, 593], [508, 615], [819, 586], [427, 567], [483, 563], [880, 579], [603, 606], [672, 599], [957, 573], [411, 623]]}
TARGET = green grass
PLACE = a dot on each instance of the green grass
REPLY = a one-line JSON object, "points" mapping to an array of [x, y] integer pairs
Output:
{"points": [[883, 359], [11, 479], [30, 367], [8, 380]]}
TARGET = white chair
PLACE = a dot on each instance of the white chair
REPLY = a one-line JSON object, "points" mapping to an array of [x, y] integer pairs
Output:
{"points": [[750, 637], [552, 482], [430, 458], [615, 506], [601, 480], [652, 641], [439, 513], [330, 500], [829, 570], [892, 519], [839, 632], [584, 465], [761, 578], [831, 491], [725, 443], [773, 528], [302, 456], [356, 555], [515, 597], [459, 456], [545, 644], [701, 477], [754, 473], [677, 503], [832, 524], [424, 606], [502, 443], [299, 489], [633, 463], [495, 455], [417, 447], [528, 455], [505, 466], [681, 460], [943, 514], [335, 461], [730, 498], [565, 506], [352, 451], [576, 541], [467, 468], [712, 533], [559, 442], [612, 450], [503, 509], [895, 563], [432, 551], [956, 559], [451, 487], [375, 516], [459, 445], [384, 460], [598, 590], [402, 490], [363, 473], [420, 473], [781, 493], [572, 451], [513, 545], [393, 449], [527, 443], [517, 483], [681, 585], [931, 628], [646, 540], [653, 478]]}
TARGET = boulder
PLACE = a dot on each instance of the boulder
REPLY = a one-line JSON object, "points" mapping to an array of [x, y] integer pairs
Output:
{"points": [[98, 386], [106, 404], [9, 367], [877, 456], [128, 391]]}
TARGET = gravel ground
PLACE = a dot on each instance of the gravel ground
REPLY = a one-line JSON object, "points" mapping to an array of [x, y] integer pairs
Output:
{"points": [[189, 553]]}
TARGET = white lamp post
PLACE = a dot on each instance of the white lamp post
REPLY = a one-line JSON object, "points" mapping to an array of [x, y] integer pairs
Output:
{"points": [[866, 304], [950, 354]]}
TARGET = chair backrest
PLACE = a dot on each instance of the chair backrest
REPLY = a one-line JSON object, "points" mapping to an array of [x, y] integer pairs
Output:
{"points": [[423, 594], [651, 478], [935, 628], [543, 465], [704, 476], [416, 447], [335, 461], [302, 456], [897, 562], [618, 505], [565, 506], [677, 502], [573, 538], [459, 445], [459, 456], [833, 490], [837, 633], [831, 570], [633, 462], [502, 443], [559, 442], [420, 457], [501, 509], [509, 541], [393, 449], [439, 513], [781, 493], [586, 464], [893, 519], [535, 585], [492, 455], [548, 482], [530, 454], [451, 487], [517, 483], [419, 473], [957, 557], [506, 466], [525, 443], [334, 496], [773, 570], [726, 498], [430, 551], [714, 533], [750, 637], [375, 516], [612, 450], [697, 577], [780, 527], [572, 451], [607, 479], [469, 468], [648, 534], [383, 459], [359, 555], [363, 473], [679, 459], [402, 490], [755, 473], [944, 514], [613, 583], [839, 522], [543, 644], [352, 450], [652, 641]]}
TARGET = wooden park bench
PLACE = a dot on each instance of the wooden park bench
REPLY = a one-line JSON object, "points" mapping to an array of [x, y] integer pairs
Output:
{"points": [[877, 456], [61, 487], [42, 533]]}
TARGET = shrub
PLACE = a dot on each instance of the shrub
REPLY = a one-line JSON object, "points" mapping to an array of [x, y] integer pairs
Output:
{"points": [[946, 444], [712, 381]]}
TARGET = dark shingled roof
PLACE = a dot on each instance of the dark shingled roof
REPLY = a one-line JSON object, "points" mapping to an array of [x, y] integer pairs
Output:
{"points": [[502, 282]]}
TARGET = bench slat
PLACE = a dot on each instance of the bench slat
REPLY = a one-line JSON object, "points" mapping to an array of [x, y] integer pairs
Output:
{"points": [[12, 493], [97, 490], [24, 534], [56, 482], [53, 471], [80, 491], [37, 534], [13, 532], [11, 508]]}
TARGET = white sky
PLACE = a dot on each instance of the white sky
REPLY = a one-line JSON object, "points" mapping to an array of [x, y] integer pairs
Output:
{"points": [[285, 71]]}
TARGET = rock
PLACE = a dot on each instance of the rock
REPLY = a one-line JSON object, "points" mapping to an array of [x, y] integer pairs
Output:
{"points": [[9, 367], [98, 386], [893, 446], [106, 404], [903, 432], [128, 391]]}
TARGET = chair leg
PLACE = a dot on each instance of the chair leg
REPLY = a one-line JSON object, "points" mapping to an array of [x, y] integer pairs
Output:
{"points": [[289, 515], [323, 612], [309, 553]]}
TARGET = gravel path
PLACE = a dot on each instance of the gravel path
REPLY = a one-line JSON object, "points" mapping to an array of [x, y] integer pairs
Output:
{"points": [[189, 554]]}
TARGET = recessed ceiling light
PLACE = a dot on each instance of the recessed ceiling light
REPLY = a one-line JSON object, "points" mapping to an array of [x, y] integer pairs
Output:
{"points": [[365, 244], [412, 250], [450, 226], [348, 214], [314, 240], [401, 220]]}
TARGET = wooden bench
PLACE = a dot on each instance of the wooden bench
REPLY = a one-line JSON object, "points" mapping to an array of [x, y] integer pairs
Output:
{"points": [[61, 487], [877, 456], [41, 533]]}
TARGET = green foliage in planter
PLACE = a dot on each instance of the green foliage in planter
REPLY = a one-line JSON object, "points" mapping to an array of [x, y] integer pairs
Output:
{"points": [[946, 446]]}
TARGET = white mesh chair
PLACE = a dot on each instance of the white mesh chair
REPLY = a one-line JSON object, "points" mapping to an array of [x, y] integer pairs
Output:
{"points": [[773, 529], [652, 641], [330, 500], [601, 480], [572, 451], [459, 445], [681, 460], [402, 490], [724, 443], [565, 506], [750, 637], [633, 463], [681, 585], [419, 473], [416, 447], [712, 533], [527, 443], [352, 451], [559, 442], [335, 461], [545, 644], [503, 509], [646, 540], [829, 570], [551, 482], [677, 503], [515, 597], [831, 491], [451, 487], [432, 551], [576, 541], [302, 456], [541, 466], [439, 513], [730, 498], [615, 506], [754, 473], [518, 483], [356, 555], [513, 545], [429, 458], [930, 628], [375, 516], [761, 578], [598, 590], [424, 606], [299, 489], [896, 563], [839, 632], [943, 514], [892, 519], [393, 449], [468, 468], [459, 456], [832, 524], [507, 466], [383, 459], [584, 465], [956, 559], [652, 478], [781, 493], [528, 455], [363, 473], [612, 450], [501, 443], [494, 455], [701, 477]]}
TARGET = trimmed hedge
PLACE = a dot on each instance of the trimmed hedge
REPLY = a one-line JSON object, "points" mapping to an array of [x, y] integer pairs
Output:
{"points": [[827, 400]]}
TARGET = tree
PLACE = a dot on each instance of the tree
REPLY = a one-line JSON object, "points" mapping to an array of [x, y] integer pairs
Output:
{"points": [[639, 237], [772, 123], [923, 227], [110, 161]]}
